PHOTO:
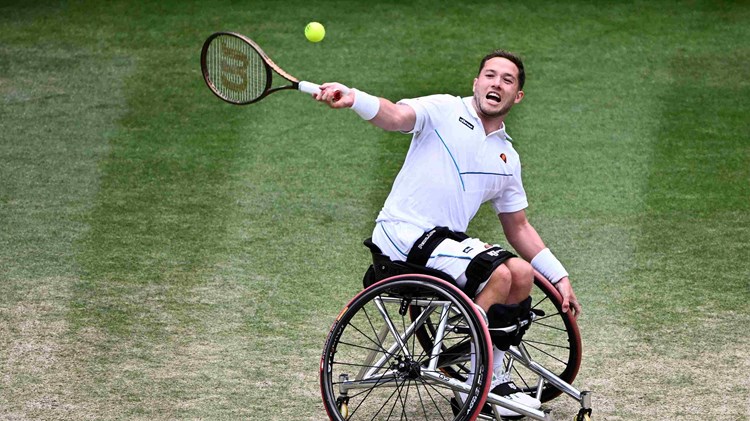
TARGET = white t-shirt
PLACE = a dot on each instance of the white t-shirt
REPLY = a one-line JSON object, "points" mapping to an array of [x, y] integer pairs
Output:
{"points": [[450, 170]]}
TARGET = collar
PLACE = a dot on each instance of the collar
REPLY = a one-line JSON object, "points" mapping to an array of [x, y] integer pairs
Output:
{"points": [[468, 103]]}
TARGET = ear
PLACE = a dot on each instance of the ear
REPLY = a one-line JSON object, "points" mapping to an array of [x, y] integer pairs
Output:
{"points": [[519, 97], [474, 85]]}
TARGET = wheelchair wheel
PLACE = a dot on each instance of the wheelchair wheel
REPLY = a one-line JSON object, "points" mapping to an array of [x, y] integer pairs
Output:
{"points": [[553, 341], [373, 366]]}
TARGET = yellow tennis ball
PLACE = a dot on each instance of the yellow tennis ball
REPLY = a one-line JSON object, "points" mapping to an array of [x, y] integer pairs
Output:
{"points": [[314, 32]]}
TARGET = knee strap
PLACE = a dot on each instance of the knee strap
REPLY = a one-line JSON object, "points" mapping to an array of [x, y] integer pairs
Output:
{"points": [[481, 267], [506, 315]]}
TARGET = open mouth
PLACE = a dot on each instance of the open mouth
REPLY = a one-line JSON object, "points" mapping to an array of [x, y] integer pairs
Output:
{"points": [[493, 97]]}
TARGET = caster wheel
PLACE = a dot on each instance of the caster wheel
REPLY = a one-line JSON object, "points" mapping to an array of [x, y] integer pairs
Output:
{"points": [[583, 415], [344, 410], [343, 405]]}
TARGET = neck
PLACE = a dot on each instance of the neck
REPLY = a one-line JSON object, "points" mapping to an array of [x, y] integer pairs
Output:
{"points": [[491, 123]]}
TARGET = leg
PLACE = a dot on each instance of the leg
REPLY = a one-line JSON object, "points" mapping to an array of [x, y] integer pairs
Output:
{"points": [[505, 299], [504, 281], [510, 283], [522, 280]]}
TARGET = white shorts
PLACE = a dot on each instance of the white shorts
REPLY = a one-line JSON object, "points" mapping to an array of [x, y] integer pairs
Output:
{"points": [[452, 257]]}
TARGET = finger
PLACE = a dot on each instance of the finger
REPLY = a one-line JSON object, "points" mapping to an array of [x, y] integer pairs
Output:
{"points": [[577, 307], [330, 94], [322, 95], [329, 87]]}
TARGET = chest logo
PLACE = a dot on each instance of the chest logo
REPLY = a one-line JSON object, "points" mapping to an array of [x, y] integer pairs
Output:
{"points": [[466, 123], [504, 158]]}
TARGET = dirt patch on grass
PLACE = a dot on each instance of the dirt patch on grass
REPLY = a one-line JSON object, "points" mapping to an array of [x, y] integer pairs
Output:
{"points": [[37, 361], [691, 374]]}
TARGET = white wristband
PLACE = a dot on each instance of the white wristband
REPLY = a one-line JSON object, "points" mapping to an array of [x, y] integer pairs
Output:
{"points": [[548, 265], [365, 105]]}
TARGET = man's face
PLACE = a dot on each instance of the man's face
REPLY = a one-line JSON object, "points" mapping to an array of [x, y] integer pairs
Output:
{"points": [[497, 88]]}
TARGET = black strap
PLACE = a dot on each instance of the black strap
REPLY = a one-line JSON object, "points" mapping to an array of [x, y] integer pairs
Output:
{"points": [[424, 246], [506, 315], [383, 267], [481, 267]]}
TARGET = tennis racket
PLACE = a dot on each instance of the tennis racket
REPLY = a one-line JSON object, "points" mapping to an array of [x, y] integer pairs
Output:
{"points": [[237, 70]]}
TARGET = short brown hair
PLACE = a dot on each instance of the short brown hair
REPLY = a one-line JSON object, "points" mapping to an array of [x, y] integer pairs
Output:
{"points": [[509, 56]]}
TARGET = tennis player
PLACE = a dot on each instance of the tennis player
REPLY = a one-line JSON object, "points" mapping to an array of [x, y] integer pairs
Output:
{"points": [[459, 158]]}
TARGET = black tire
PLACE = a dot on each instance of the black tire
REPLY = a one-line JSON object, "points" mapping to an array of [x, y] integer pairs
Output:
{"points": [[404, 388]]}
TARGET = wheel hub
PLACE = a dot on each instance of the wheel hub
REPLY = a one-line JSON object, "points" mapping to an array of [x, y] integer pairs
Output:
{"points": [[407, 368]]}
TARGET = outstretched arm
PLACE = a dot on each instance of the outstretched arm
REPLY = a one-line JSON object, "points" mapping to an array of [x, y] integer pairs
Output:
{"points": [[388, 116], [527, 242]]}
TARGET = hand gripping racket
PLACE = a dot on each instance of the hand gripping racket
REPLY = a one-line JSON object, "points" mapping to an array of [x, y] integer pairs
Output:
{"points": [[237, 70]]}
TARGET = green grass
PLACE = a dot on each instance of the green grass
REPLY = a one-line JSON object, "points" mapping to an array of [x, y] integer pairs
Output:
{"points": [[164, 255]]}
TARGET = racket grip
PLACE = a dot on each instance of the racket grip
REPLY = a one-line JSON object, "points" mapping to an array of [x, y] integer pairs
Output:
{"points": [[309, 87], [314, 88]]}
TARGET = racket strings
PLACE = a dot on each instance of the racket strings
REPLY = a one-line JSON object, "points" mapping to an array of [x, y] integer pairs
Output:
{"points": [[236, 70]]}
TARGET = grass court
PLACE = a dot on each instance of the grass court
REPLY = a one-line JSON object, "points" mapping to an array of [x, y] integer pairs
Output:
{"points": [[164, 255]]}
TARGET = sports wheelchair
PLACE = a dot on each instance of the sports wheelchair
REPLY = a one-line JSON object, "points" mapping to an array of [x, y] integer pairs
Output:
{"points": [[413, 346]]}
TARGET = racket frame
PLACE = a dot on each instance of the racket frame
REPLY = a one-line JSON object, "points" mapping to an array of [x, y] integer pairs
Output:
{"points": [[270, 68]]}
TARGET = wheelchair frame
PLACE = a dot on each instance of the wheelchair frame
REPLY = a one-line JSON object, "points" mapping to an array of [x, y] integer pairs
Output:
{"points": [[429, 355]]}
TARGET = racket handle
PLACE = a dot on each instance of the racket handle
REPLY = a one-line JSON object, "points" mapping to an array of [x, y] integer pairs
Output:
{"points": [[313, 88], [309, 87]]}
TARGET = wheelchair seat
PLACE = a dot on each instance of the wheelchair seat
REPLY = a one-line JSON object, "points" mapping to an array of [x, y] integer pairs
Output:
{"points": [[383, 267]]}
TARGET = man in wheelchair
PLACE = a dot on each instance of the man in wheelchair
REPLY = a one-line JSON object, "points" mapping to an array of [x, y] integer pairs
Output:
{"points": [[459, 158]]}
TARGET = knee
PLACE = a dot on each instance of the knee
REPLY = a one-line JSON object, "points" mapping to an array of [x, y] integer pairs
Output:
{"points": [[521, 272], [527, 272], [499, 282], [501, 275]]}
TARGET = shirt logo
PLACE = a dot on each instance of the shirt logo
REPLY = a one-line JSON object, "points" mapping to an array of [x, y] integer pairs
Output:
{"points": [[504, 158], [466, 123]]}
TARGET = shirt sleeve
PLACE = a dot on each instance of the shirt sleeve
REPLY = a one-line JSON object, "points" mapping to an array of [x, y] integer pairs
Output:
{"points": [[513, 198], [427, 110]]}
